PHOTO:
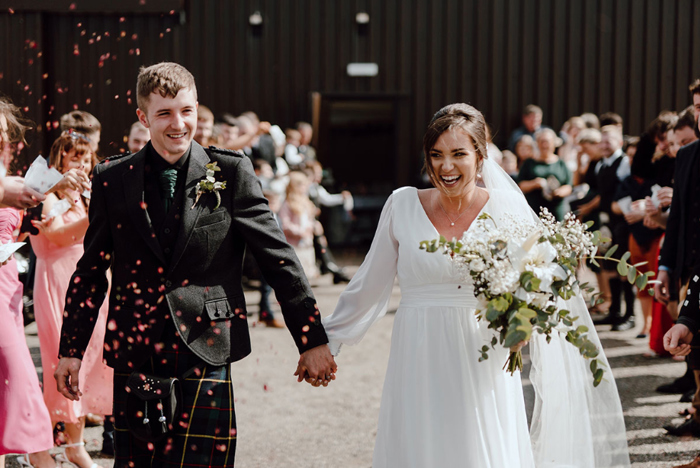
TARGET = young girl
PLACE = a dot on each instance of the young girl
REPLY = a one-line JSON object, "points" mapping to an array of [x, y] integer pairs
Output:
{"points": [[58, 247], [298, 216]]}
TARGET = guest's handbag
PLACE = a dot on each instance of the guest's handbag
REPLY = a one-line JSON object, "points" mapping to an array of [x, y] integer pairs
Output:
{"points": [[153, 405]]}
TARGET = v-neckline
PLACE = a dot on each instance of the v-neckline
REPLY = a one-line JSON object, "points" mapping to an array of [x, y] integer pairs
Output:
{"points": [[425, 213]]}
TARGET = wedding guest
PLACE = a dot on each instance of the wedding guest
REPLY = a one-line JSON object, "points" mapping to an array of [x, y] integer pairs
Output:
{"points": [[13, 191], [291, 149], [84, 123], [679, 254], [266, 315], [588, 208], [569, 150], [321, 198], [643, 242], [205, 126], [531, 124], [591, 120], [58, 247], [307, 133], [611, 118], [630, 147], [298, 216], [525, 149], [683, 132], [610, 171], [138, 137], [509, 163], [25, 425], [545, 181]]}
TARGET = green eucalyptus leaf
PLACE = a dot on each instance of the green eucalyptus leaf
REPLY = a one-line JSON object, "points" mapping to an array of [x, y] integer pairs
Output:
{"points": [[632, 274], [610, 251], [641, 282], [622, 269]]}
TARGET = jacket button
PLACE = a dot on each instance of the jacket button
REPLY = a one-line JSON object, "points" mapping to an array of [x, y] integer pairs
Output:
{"points": [[168, 283], [166, 230]]}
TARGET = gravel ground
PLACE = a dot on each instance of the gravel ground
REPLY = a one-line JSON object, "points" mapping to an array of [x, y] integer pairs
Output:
{"points": [[288, 425]]}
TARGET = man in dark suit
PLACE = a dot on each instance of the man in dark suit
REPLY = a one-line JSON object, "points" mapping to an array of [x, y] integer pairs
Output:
{"points": [[176, 304], [680, 256]]}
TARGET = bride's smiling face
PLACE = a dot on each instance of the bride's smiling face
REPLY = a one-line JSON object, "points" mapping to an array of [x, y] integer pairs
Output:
{"points": [[454, 161]]}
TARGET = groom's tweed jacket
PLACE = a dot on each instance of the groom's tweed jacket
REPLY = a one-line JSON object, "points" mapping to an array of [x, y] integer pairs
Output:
{"points": [[199, 286]]}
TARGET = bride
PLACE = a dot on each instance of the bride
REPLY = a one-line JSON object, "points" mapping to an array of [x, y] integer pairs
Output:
{"points": [[440, 405]]}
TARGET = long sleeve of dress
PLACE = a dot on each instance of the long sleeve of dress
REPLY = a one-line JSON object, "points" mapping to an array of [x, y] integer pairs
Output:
{"points": [[366, 298]]}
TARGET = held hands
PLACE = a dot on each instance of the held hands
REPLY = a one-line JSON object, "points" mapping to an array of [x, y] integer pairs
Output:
{"points": [[66, 376], [677, 340], [316, 366]]}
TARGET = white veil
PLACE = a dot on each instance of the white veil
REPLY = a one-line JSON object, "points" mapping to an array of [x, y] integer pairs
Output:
{"points": [[574, 424]]}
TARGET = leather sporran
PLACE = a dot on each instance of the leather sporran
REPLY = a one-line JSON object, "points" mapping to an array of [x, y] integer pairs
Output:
{"points": [[153, 406]]}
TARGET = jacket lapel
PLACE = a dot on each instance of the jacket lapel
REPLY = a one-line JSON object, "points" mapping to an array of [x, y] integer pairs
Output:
{"points": [[195, 172], [133, 183]]}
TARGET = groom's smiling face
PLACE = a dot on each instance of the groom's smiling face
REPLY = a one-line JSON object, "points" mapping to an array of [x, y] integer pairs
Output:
{"points": [[172, 122]]}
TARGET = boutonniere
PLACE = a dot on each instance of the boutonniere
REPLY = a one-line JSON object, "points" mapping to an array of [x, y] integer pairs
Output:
{"points": [[209, 184]]}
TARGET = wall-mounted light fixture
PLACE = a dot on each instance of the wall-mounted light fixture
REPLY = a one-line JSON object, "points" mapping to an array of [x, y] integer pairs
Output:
{"points": [[255, 19], [362, 18]]}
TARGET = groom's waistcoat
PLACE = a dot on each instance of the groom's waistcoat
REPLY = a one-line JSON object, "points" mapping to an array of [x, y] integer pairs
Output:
{"points": [[198, 284]]}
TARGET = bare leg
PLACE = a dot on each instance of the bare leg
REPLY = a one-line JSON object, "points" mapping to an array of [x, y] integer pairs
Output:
{"points": [[647, 306], [77, 454], [42, 460]]}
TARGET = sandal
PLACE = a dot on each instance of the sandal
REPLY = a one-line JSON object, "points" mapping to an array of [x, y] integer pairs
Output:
{"points": [[23, 460], [63, 461]]}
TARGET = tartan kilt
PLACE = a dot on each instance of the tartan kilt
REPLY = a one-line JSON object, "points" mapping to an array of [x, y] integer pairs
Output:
{"points": [[206, 433]]}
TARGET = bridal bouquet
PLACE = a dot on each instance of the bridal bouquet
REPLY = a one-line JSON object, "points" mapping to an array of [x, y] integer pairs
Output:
{"points": [[521, 271]]}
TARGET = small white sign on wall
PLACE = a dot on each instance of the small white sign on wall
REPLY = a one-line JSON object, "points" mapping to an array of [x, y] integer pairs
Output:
{"points": [[363, 69]]}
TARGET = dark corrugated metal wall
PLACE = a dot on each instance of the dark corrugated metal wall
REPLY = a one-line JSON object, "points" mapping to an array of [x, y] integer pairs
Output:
{"points": [[634, 57]]}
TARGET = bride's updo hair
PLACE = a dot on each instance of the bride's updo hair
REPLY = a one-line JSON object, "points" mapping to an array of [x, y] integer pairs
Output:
{"points": [[449, 117]]}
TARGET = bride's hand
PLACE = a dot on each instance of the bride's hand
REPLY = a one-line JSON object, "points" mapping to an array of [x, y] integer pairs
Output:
{"points": [[519, 346]]}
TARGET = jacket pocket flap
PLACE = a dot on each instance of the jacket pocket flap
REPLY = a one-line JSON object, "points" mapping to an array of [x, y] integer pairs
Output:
{"points": [[218, 309], [212, 218]]}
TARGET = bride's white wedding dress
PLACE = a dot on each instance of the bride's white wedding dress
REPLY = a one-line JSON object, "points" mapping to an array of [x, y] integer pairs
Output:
{"points": [[440, 406]]}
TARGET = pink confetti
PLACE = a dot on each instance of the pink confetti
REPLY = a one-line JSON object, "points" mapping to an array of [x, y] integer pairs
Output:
{"points": [[72, 6], [76, 51]]}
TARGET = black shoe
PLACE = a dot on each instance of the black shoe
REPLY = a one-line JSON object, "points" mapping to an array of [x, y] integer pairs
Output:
{"points": [[689, 427], [688, 396], [679, 385], [340, 277], [608, 319], [108, 443], [624, 325]]}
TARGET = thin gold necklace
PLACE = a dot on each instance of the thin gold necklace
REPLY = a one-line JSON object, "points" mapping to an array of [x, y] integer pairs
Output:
{"points": [[452, 223]]}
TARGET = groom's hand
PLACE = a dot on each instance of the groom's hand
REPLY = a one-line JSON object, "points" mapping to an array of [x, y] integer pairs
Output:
{"points": [[66, 376], [316, 366], [677, 340]]}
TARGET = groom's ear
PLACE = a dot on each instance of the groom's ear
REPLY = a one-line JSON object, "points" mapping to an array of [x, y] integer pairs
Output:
{"points": [[142, 117]]}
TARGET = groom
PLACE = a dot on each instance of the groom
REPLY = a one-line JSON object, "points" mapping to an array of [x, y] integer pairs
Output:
{"points": [[176, 304]]}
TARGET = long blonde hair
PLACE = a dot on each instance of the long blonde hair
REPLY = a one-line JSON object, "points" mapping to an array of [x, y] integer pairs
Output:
{"points": [[298, 194]]}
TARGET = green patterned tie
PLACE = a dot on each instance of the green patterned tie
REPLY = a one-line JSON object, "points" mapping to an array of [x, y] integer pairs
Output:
{"points": [[167, 179]]}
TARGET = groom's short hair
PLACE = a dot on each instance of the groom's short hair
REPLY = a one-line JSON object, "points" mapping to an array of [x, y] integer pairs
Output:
{"points": [[166, 79]]}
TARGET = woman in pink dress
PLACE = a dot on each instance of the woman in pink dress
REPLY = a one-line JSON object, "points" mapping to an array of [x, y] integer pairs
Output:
{"points": [[25, 426], [58, 247]]}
